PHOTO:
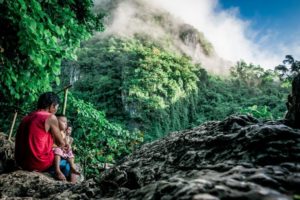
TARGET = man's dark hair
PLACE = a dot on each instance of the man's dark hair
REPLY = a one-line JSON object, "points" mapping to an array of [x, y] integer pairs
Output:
{"points": [[47, 99]]}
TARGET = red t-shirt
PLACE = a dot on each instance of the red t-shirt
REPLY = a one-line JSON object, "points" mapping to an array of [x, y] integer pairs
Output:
{"points": [[33, 146]]}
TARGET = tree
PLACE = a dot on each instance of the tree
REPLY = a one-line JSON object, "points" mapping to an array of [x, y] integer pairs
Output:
{"points": [[250, 74], [289, 69], [35, 37]]}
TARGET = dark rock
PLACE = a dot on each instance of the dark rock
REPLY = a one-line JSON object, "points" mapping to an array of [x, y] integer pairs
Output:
{"points": [[238, 158], [29, 184], [7, 162], [293, 104]]}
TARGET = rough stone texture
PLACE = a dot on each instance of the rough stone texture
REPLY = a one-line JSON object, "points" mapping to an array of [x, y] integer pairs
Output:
{"points": [[238, 158], [293, 104], [7, 162], [34, 185]]}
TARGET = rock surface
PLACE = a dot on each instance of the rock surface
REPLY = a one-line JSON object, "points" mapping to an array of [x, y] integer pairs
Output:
{"points": [[34, 185], [293, 104], [238, 158], [7, 162]]}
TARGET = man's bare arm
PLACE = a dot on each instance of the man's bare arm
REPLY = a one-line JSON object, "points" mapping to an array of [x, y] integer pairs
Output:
{"points": [[52, 125]]}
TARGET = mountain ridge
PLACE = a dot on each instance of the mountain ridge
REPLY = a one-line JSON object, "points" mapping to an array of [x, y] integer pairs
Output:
{"points": [[145, 21]]}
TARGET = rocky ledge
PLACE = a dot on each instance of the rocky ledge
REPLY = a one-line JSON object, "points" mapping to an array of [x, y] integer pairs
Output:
{"points": [[238, 158]]}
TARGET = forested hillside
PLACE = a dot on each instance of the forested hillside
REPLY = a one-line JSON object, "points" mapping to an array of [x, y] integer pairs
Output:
{"points": [[146, 75], [156, 91]]}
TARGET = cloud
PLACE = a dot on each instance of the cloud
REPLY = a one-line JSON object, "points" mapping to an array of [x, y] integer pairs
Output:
{"points": [[131, 17], [232, 37]]}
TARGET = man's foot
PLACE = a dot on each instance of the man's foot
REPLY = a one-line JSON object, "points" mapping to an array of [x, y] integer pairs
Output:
{"points": [[74, 171], [60, 176]]}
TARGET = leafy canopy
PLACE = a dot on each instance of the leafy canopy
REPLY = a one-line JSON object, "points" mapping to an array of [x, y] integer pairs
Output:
{"points": [[289, 69], [35, 37], [132, 74]]}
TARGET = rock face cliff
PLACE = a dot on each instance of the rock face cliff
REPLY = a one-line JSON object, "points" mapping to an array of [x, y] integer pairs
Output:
{"points": [[238, 158]]}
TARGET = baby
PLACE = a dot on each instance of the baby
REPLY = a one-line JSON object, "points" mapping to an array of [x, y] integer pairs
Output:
{"points": [[65, 153]]}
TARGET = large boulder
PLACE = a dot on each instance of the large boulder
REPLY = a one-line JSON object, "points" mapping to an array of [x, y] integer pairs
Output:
{"points": [[238, 158], [293, 104]]}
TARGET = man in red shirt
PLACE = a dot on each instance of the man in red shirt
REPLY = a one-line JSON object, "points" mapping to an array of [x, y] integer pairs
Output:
{"points": [[36, 135]]}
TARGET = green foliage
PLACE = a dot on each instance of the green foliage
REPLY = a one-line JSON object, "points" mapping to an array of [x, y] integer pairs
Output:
{"points": [[251, 75], [136, 83], [261, 112], [152, 90], [296, 197], [288, 70], [96, 140], [157, 79], [35, 37]]}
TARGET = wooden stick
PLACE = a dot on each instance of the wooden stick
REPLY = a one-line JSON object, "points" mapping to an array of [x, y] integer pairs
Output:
{"points": [[65, 100], [12, 125], [64, 89]]}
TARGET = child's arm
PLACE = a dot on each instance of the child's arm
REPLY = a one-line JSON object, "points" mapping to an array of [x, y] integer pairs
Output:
{"points": [[71, 140], [68, 133]]}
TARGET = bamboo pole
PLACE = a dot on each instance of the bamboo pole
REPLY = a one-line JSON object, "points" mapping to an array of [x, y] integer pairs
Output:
{"points": [[12, 125], [67, 87], [65, 101], [65, 90]]}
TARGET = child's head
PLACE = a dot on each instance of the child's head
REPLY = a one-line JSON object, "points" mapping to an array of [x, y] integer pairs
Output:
{"points": [[68, 131], [62, 122]]}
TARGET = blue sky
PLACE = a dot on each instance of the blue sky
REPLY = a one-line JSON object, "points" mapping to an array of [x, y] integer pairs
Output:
{"points": [[261, 32], [278, 16]]}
